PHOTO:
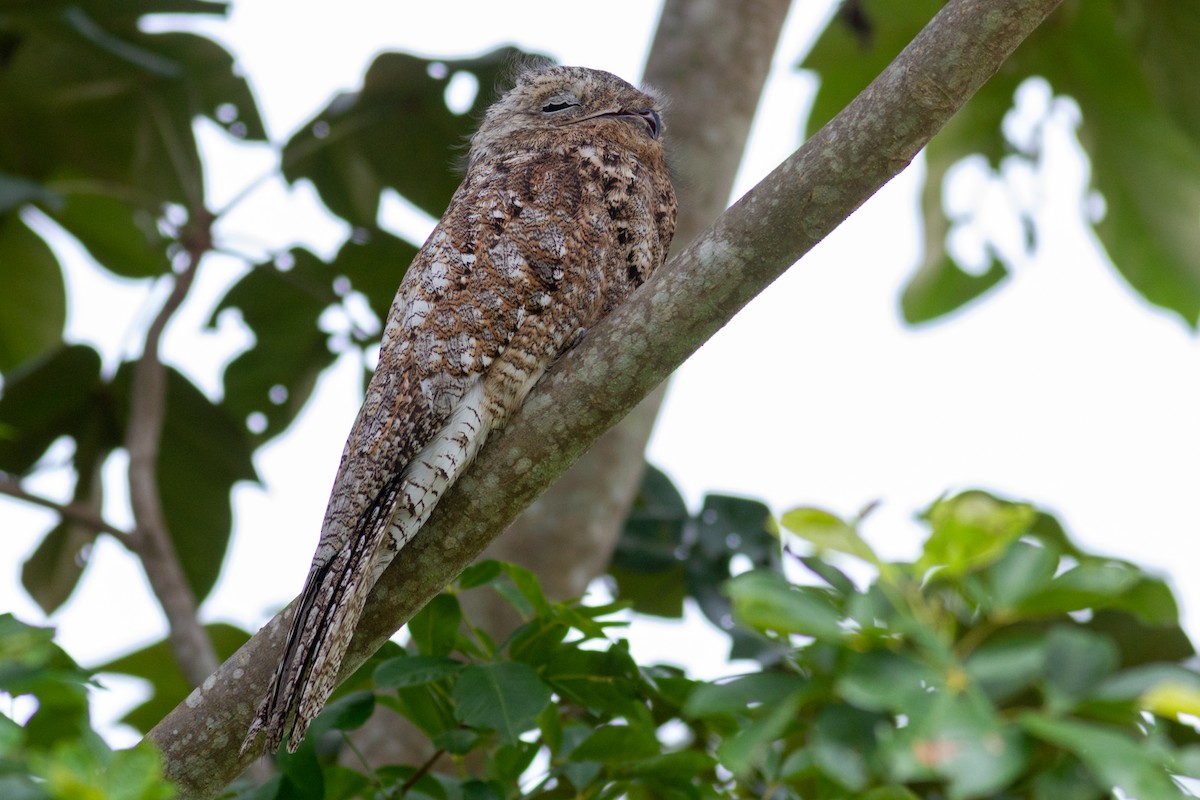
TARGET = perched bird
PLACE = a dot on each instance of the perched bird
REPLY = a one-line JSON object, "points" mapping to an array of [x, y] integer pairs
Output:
{"points": [[566, 207]]}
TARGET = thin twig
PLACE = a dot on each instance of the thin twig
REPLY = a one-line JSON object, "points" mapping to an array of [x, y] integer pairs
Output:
{"points": [[11, 486], [148, 401]]}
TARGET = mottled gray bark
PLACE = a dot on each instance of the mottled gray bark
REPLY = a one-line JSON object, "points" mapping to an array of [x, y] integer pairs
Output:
{"points": [[627, 355]]}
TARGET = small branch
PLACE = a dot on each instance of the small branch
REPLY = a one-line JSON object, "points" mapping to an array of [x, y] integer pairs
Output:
{"points": [[11, 486], [630, 352], [190, 644]]}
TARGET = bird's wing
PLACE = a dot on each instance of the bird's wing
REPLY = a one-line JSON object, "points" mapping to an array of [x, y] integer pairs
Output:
{"points": [[505, 242]]}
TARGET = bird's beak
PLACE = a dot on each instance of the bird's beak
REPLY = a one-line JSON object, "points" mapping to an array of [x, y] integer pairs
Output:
{"points": [[647, 115]]}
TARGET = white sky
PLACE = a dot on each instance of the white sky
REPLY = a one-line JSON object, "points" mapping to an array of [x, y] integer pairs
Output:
{"points": [[1062, 388]]}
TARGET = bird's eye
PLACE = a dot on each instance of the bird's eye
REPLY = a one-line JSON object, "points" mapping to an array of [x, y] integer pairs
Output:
{"points": [[550, 108]]}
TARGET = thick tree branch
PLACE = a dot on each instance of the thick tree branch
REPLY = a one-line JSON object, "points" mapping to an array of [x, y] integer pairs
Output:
{"points": [[148, 403], [71, 512], [628, 354]]}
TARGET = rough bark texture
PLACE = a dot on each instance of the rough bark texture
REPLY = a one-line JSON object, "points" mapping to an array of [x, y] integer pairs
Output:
{"points": [[633, 350]]}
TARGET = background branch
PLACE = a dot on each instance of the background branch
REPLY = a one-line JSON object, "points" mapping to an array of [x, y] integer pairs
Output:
{"points": [[148, 401], [11, 486], [630, 352]]}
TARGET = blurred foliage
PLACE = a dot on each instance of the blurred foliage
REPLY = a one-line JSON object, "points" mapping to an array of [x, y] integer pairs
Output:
{"points": [[99, 141], [1002, 662], [1128, 64], [55, 754]]}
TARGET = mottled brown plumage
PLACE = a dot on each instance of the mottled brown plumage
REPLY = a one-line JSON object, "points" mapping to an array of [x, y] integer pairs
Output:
{"points": [[565, 209]]}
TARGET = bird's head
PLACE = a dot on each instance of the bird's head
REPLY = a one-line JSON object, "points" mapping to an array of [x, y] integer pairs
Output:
{"points": [[571, 99]]}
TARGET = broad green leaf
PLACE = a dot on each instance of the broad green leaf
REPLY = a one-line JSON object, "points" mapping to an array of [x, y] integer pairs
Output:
{"points": [[508, 762], [156, 664], [202, 454], [375, 261], [883, 680], [601, 681], [121, 237], [281, 308], [960, 739], [506, 697], [78, 769], [53, 570], [1021, 571], [614, 744], [33, 305], [747, 748], [1137, 682], [58, 394], [434, 629], [414, 671], [827, 532], [1170, 699], [1115, 758], [647, 563], [51, 573], [395, 131], [972, 530], [346, 713], [1122, 62], [841, 742], [767, 601], [1007, 664], [1076, 661], [84, 91], [682, 767], [742, 695]]}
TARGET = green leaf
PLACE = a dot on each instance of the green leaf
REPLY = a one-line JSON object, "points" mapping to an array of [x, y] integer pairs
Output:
{"points": [[614, 744], [396, 131], [972, 530], [960, 739], [742, 695], [121, 237], [202, 454], [601, 681], [1076, 661], [827, 532], [414, 671], [346, 713], [58, 394], [156, 663], [33, 306], [646, 563], [506, 697], [749, 747], [375, 261], [434, 629], [84, 91], [883, 680], [277, 375], [51, 573], [1114, 758], [767, 601], [1021, 571], [1007, 664], [841, 743]]}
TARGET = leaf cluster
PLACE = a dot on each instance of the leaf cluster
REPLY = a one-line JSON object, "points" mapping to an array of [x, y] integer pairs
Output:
{"points": [[55, 754], [1002, 662], [1125, 62]]}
